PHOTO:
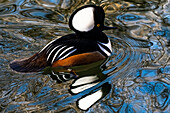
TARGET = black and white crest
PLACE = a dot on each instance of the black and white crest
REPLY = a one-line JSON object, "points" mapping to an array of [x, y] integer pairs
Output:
{"points": [[83, 20], [87, 18]]}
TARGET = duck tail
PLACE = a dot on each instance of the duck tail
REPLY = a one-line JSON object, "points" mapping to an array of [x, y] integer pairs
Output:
{"points": [[35, 63]]}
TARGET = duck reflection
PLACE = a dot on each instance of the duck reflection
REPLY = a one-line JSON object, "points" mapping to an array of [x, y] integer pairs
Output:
{"points": [[83, 78]]}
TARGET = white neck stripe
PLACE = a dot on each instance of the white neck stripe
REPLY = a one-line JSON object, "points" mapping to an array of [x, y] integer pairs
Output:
{"points": [[107, 44], [104, 50]]}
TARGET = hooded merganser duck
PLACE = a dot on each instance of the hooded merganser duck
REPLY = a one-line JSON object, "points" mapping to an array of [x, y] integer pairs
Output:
{"points": [[87, 45]]}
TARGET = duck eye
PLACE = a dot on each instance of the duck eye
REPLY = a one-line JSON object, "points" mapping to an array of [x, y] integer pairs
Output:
{"points": [[98, 25]]}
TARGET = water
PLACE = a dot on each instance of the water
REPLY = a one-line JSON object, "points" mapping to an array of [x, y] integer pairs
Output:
{"points": [[138, 70]]}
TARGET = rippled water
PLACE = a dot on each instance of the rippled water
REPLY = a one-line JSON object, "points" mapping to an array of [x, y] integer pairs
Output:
{"points": [[138, 70]]}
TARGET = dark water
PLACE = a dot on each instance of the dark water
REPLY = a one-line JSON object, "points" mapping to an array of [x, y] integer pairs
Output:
{"points": [[138, 70]]}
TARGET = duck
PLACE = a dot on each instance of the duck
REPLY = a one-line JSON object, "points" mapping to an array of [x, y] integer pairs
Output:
{"points": [[88, 44]]}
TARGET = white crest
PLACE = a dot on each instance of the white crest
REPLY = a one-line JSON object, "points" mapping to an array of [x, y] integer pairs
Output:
{"points": [[83, 20]]}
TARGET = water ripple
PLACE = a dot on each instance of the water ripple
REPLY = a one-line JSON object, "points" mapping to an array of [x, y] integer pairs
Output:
{"points": [[36, 13], [138, 69], [130, 17], [7, 9]]}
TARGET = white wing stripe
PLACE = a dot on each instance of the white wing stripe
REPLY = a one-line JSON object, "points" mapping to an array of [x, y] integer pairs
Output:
{"points": [[47, 45], [52, 52], [67, 54], [57, 53], [65, 51]]}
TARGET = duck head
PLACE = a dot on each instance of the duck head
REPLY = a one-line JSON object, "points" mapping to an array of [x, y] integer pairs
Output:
{"points": [[88, 19]]}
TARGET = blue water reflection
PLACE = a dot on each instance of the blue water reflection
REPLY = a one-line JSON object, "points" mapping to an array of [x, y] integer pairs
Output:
{"points": [[130, 17], [138, 69], [7, 9]]}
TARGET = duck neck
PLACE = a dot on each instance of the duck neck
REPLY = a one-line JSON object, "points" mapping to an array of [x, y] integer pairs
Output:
{"points": [[90, 35]]}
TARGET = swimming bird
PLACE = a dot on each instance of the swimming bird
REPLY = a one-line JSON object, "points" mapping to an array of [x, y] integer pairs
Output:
{"points": [[87, 45]]}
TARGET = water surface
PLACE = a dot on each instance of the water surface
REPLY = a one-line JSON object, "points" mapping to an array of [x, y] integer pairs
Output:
{"points": [[138, 70]]}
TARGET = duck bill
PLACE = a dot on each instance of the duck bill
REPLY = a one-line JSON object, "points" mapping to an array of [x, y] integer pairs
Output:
{"points": [[108, 28]]}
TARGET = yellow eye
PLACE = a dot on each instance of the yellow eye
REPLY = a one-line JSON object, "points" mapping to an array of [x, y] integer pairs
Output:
{"points": [[98, 25]]}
